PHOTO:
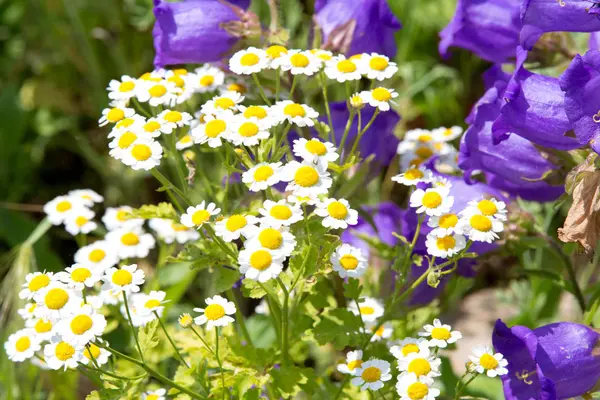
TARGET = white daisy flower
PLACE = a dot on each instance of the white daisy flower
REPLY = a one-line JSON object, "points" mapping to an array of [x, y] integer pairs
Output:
{"points": [[61, 207], [281, 213], [416, 135], [324, 55], [227, 101], [348, 261], [88, 196], [130, 242], [80, 276], [315, 151], [200, 214], [445, 246], [237, 87], [42, 327], [232, 227], [99, 256], [208, 79], [124, 139], [336, 214], [56, 301], [379, 98], [356, 100], [262, 176], [115, 114], [22, 345], [260, 263], [306, 179], [80, 221], [378, 331], [122, 90], [143, 154], [421, 364], [172, 120], [378, 66], [441, 335], [341, 69], [158, 394], [414, 176], [444, 225], [444, 134], [153, 76], [247, 132], [28, 311], [408, 346], [117, 217], [277, 240], [158, 93], [214, 129], [488, 362], [81, 327], [301, 63], [148, 304], [139, 318], [480, 228], [127, 122], [154, 126], [96, 301], [295, 113], [60, 354], [185, 142], [441, 183], [369, 309], [409, 387], [249, 61], [110, 298], [276, 55], [353, 361], [259, 113], [371, 374], [185, 320], [489, 207], [34, 282], [93, 353], [127, 278], [433, 201], [217, 312], [170, 231]]}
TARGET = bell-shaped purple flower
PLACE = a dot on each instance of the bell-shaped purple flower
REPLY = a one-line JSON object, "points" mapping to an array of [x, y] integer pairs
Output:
{"points": [[488, 28], [541, 16], [361, 26], [534, 108], [581, 84], [190, 31], [555, 361]]}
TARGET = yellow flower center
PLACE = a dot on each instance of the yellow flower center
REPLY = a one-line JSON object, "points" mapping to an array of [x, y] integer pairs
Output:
{"points": [[371, 374], [127, 86], [481, 223], [432, 200], [152, 397], [270, 238], [237, 87], [440, 334], [316, 147], [235, 222], [157, 90], [81, 324], [379, 331], [152, 126], [306, 176], [64, 351], [63, 206], [185, 320], [413, 174], [81, 221], [419, 366], [200, 217], [425, 138], [356, 57], [80, 274], [263, 173], [122, 215], [280, 212], [56, 298], [487, 207], [207, 80], [248, 129], [115, 115], [276, 51], [378, 63], [178, 227], [141, 152], [255, 111], [177, 80], [349, 262], [185, 139], [147, 76], [38, 282], [91, 351], [122, 277], [31, 308], [299, 60], [445, 243], [43, 326], [180, 71], [23, 344], [152, 303], [417, 391], [261, 259], [352, 365], [367, 310], [215, 127], [324, 56], [214, 312], [346, 66], [249, 59], [126, 140], [173, 116], [96, 255], [448, 132], [130, 239], [294, 110], [124, 123], [410, 348], [337, 210], [488, 362], [224, 103], [424, 152], [381, 94], [448, 221]]}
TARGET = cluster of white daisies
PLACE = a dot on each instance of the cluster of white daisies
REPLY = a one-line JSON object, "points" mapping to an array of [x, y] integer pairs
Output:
{"points": [[417, 360], [419, 146]]}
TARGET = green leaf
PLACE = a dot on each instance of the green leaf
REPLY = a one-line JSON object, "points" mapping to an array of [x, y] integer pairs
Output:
{"points": [[225, 278], [251, 288], [336, 327], [352, 289], [290, 381], [252, 394], [148, 336], [149, 211]]}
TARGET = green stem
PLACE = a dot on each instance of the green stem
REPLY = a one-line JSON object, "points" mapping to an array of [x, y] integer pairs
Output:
{"points": [[169, 187], [341, 389], [202, 340], [463, 387], [327, 110], [277, 83], [260, 89], [133, 330], [219, 360], [360, 135], [346, 130], [589, 317], [285, 323], [164, 328], [293, 86], [219, 241], [178, 160], [240, 317]]}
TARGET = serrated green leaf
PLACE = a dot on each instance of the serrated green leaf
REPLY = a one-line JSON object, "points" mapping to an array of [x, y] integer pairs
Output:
{"points": [[149, 211], [225, 278], [148, 336], [352, 289], [336, 327]]}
